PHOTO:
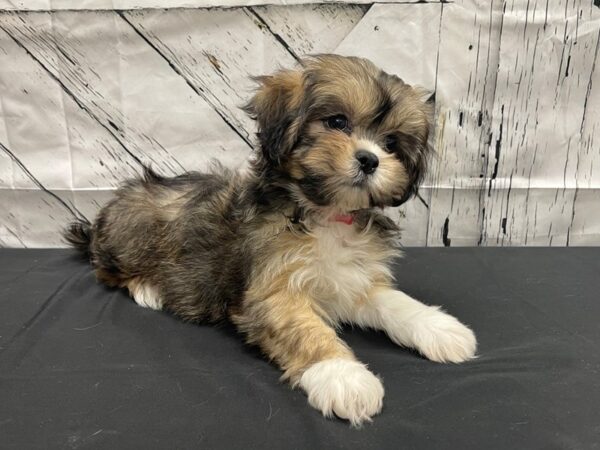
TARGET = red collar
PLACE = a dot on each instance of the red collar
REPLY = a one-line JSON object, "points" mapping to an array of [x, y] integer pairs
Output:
{"points": [[348, 219]]}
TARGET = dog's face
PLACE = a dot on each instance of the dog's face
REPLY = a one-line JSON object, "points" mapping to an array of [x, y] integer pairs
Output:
{"points": [[345, 134]]}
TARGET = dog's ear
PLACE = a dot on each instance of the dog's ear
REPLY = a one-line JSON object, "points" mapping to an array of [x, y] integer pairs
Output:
{"points": [[277, 106], [417, 140], [423, 138], [424, 143]]}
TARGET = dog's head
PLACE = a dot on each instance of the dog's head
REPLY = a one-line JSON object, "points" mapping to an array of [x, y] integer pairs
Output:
{"points": [[342, 133]]}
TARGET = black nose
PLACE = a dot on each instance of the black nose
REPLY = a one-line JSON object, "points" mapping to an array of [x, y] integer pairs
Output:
{"points": [[368, 161]]}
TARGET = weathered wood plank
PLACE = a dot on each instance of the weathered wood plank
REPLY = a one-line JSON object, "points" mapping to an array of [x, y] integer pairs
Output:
{"points": [[55, 5], [216, 52], [309, 29], [62, 146], [163, 129], [584, 228], [547, 54], [31, 215], [36, 218], [466, 81], [401, 39]]}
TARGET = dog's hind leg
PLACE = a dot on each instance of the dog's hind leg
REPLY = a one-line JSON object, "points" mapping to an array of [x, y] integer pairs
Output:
{"points": [[144, 293]]}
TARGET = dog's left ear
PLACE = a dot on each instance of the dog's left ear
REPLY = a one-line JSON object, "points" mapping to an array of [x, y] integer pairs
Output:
{"points": [[430, 99], [419, 141], [277, 107], [424, 144]]}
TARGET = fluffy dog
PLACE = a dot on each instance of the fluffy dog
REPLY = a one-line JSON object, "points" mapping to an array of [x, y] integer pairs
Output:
{"points": [[298, 245]]}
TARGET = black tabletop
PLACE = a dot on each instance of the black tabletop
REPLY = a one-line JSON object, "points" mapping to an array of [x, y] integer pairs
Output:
{"points": [[81, 366]]}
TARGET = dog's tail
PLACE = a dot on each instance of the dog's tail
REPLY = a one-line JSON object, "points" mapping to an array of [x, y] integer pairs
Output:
{"points": [[79, 235]]}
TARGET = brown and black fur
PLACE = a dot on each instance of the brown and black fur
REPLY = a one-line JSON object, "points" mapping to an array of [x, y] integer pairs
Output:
{"points": [[227, 246]]}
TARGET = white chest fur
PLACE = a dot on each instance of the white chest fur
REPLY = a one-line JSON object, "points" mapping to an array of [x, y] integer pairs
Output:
{"points": [[339, 266]]}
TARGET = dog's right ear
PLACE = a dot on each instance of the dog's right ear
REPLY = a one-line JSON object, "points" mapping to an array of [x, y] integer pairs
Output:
{"points": [[277, 106]]}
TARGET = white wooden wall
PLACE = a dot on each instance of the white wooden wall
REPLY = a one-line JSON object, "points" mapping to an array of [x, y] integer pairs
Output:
{"points": [[90, 89]]}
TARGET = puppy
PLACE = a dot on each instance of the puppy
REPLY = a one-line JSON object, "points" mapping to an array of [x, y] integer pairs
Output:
{"points": [[298, 245]]}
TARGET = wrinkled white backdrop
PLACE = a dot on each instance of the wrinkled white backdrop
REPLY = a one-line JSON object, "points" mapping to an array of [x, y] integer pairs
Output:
{"points": [[89, 89]]}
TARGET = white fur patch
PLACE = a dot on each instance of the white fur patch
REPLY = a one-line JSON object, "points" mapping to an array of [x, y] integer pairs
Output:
{"points": [[344, 387], [146, 295], [441, 337], [438, 336], [337, 268]]}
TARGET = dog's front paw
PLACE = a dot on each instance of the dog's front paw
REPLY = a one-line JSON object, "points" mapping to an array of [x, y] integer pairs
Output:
{"points": [[344, 387], [441, 337]]}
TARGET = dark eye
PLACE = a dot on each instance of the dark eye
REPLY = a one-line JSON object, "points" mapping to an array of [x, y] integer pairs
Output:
{"points": [[391, 142], [339, 122]]}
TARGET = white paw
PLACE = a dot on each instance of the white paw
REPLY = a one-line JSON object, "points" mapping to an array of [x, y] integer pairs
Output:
{"points": [[344, 387], [145, 295], [441, 337]]}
